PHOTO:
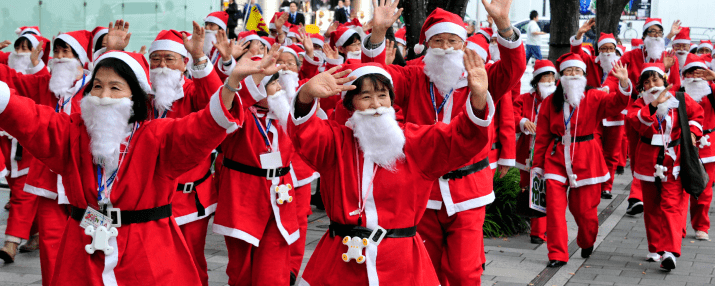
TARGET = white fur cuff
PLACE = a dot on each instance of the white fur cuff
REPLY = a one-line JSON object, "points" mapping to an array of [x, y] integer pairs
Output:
{"points": [[218, 111], [4, 96], [474, 118], [36, 68]]}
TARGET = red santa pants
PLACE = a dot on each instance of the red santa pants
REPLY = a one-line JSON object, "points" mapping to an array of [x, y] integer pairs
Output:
{"points": [[583, 203], [297, 249], [263, 265], [623, 157], [663, 214], [455, 244], [21, 221], [633, 139], [611, 139], [699, 218], [195, 236], [51, 220], [538, 225]]}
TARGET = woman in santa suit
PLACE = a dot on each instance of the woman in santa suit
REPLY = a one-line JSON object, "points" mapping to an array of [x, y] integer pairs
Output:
{"points": [[377, 174], [526, 109], [120, 171], [568, 158], [655, 117]]}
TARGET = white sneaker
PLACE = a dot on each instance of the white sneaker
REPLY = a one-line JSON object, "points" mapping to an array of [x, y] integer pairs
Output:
{"points": [[668, 262], [701, 235], [653, 257]]}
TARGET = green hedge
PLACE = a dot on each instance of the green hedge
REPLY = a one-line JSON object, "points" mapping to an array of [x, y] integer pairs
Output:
{"points": [[501, 218]]}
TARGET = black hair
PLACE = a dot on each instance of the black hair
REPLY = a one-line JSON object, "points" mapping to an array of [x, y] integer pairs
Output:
{"points": [[535, 81], [692, 69], [139, 97], [98, 44], [645, 32], [20, 40], [273, 78], [350, 41], [377, 81], [62, 44], [262, 34], [645, 76], [557, 98], [533, 14], [694, 50]]}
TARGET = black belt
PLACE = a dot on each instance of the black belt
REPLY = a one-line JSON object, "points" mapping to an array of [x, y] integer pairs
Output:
{"points": [[708, 131], [467, 170], [258, 172], [496, 145], [18, 153], [129, 217], [559, 139], [343, 230], [191, 187], [673, 143]]}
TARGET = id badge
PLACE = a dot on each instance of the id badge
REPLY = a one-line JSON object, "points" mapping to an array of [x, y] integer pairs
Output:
{"points": [[271, 160], [657, 140], [94, 218]]}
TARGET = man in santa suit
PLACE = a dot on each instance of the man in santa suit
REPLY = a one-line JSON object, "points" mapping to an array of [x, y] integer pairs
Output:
{"points": [[175, 96], [214, 22], [526, 109], [701, 90], [121, 171], [434, 92], [567, 157], [21, 31], [61, 91], [376, 173], [681, 46], [655, 117]]}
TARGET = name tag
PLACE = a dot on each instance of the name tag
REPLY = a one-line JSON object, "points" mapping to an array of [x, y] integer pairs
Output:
{"points": [[94, 218], [657, 140], [271, 160]]}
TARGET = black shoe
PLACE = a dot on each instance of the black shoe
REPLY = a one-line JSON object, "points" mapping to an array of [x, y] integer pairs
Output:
{"points": [[586, 252], [555, 263], [667, 264], [606, 195], [635, 206], [292, 278], [536, 240], [620, 170]]}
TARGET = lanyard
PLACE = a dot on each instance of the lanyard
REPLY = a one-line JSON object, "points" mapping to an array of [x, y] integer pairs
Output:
{"points": [[363, 198], [156, 113], [437, 110], [264, 132], [62, 107], [566, 122], [105, 185]]}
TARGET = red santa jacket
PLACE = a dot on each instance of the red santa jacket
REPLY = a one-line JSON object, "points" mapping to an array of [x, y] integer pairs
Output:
{"points": [[707, 152], [161, 150], [526, 107], [583, 163], [398, 198], [503, 147], [12, 151], [646, 123], [634, 60], [247, 202], [412, 95], [197, 93], [301, 172]]}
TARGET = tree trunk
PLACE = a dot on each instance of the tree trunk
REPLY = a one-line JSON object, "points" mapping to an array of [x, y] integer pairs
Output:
{"points": [[415, 12], [564, 24], [609, 15]]}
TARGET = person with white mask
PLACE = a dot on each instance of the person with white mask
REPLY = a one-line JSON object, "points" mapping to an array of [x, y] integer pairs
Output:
{"points": [[681, 45], [526, 108], [433, 92], [655, 117], [567, 157], [344, 47], [214, 22]]}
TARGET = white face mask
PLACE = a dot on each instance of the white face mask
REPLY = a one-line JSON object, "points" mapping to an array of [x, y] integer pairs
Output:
{"points": [[494, 52], [654, 47], [574, 88], [697, 88], [20, 62], [444, 68], [606, 61], [380, 137], [209, 40], [546, 89]]}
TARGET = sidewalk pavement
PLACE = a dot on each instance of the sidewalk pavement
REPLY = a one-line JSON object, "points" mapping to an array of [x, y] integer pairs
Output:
{"points": [[510, 261]]}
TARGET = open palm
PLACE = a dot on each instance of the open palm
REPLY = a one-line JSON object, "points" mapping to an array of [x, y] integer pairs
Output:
{"points": [[328, 83], [384, 15]]}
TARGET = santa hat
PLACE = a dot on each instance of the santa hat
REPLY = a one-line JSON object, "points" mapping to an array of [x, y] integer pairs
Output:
{"points": [[606, 39], [693, 61], [317, 39], [636, 43], [588, 49], [359, 70], [169, 40], [544, 66], [683, 37], [79, 41], [286, 27], [621, 49], [294, 32], [693, 47], [480, 45], [35, 40], [487, 32], [268, 41], [353, 23], [293, 50], [219, 18], [440, 21], [656, 67], [299, 49], [401, 36], [27, 29], [136, 62], [571, 60], [340, 36], [705, 44], [272, 24], [96, 34], [253, 36], [652, 21]]}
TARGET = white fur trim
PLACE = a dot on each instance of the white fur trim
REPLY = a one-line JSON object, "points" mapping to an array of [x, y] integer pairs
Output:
{"points": [[215, 20], [480, 51], [545, 69], [292, 237], [538, 170], [14, 172], [419, 48], [509, 44], [133, 64], [650, 178], [344, 37], [365, 70], [4, 96], [299, 121], [593, 181], [312, 61], [693, 64], [168, 45], [285, 29], [624, 112], [374, 52], [607, 41], [33, 40], [655, 69], [521, 166], [453, 208], [37, 68], [226, 70], [401, 41], [521, 126], [474, 203], [371, 221], [202, 73], [317, 41], [434, 205], [110, 262], [646, 123], [290, 51], [705, 45], [493, 165], [96, 37], [217, 111], [681, 41], [335, 62], [626, 92], [507, 162], [696, 124], [79, 49], [607, 123], [555, 177], [474, 118], [446, 27], [257, 91], [3, 173], [192, 217], [576, 42], [573, 63], [651, 23], [235, 233], [306, 181], [39, 192], [708, 159]]}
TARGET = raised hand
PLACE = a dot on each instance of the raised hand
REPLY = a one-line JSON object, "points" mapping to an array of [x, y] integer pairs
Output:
{"points": [[675, 28], [307, 42], [268, 63], [240, 47], [118, 35], [499, 10], [332, 28], [382, 19], [476, 78], [585, 27], [620, 71], [391, 51], [245, 68], [4, 44], [223, 46], [330, 53], [663, 96], [35, 54], [142, 50], [325, 84], [280, 21], [669, 60], [705, 74], [195, 46]]}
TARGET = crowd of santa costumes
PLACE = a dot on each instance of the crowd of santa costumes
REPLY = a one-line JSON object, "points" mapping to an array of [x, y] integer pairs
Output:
{"points": [[117, 160]]}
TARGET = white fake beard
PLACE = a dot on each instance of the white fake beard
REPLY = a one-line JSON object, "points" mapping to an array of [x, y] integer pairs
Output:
{"points": [[289, 82], [107, 122], [209, 40], [380, 137], [546, 89], [20, 62], [682, 56], [651, 94], [574, 88], [494, 52], [444, 68], [356, 55], [64, 74], [654, 46], [279, 106], [168, 86], [606, 61], [697, 88]]}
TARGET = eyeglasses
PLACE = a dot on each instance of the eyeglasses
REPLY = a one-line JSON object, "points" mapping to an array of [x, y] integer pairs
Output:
{"points": [[290, 65], [156, 60], [450, 43], [654, 33], [606, 50]]}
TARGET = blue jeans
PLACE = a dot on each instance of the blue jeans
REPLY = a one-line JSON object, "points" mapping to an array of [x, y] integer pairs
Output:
{"points": [[533, 51]]}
